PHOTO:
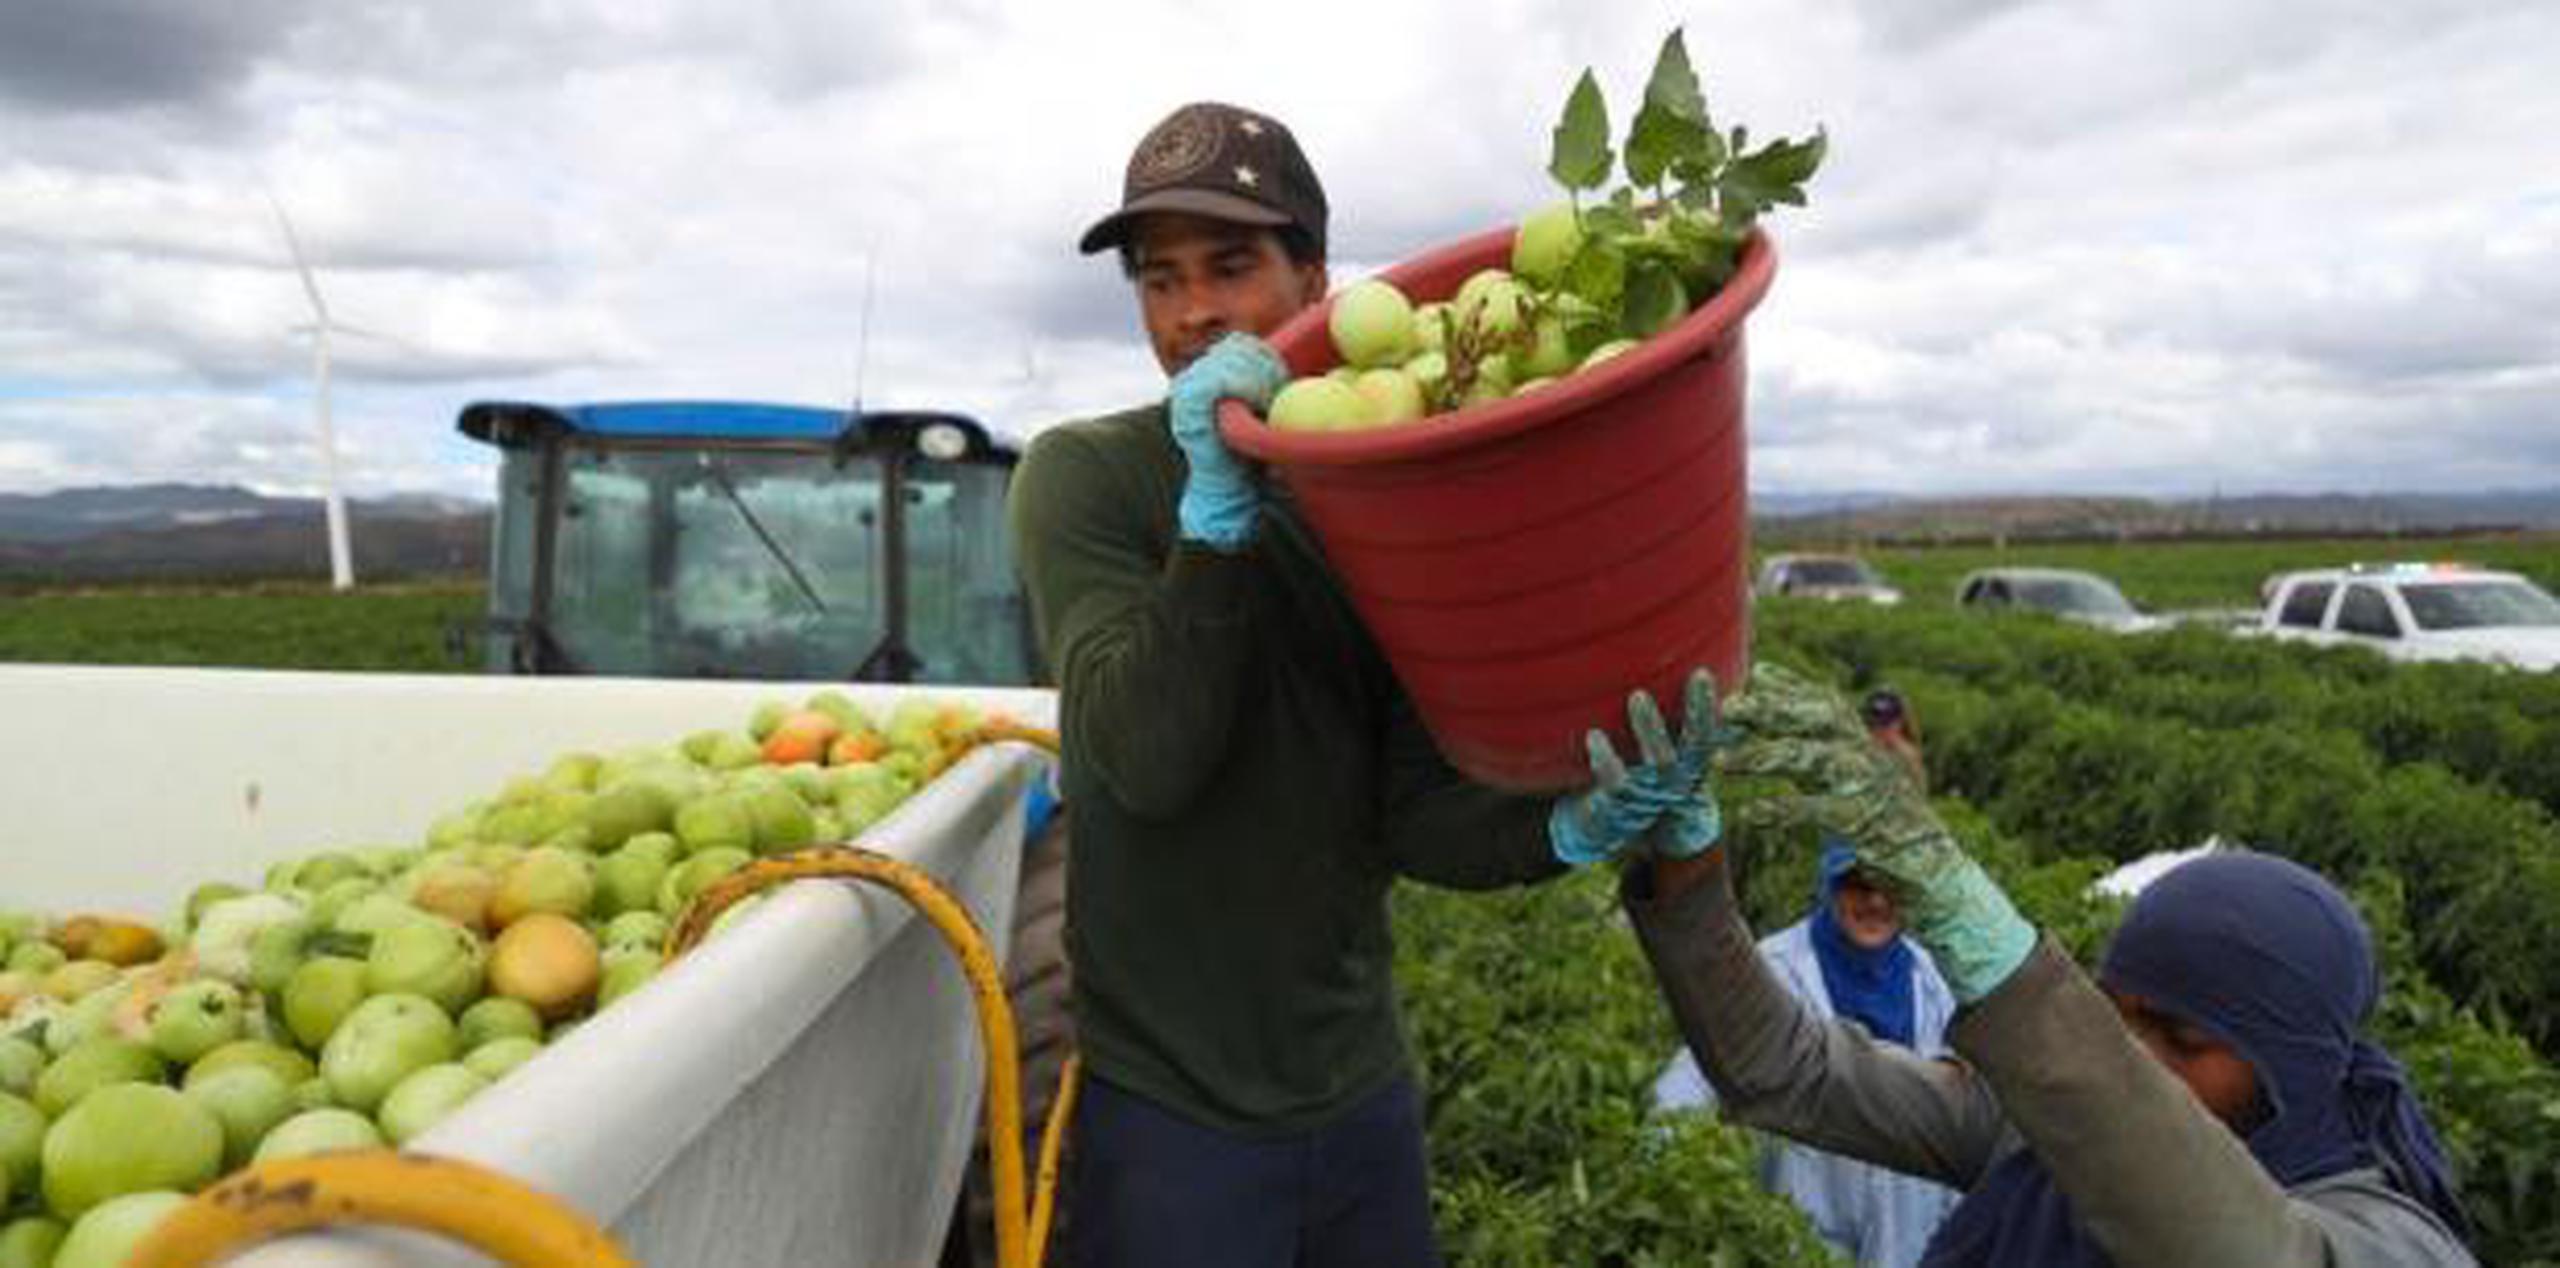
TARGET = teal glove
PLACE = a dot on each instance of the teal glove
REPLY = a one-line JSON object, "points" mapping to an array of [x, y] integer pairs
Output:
{"points": [[1798, 732], [1220, 501], [1668, 785]]}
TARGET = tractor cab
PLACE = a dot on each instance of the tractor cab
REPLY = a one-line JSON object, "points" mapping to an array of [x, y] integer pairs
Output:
{"points": [[713, 539]]}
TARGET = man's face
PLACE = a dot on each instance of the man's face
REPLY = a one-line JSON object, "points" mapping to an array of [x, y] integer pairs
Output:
{"points": [[1199, 279], [1867, 914], [2215, 1071]]}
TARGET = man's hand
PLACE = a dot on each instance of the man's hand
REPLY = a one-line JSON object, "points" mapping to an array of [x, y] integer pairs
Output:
{"points": [[1667, 784], [1796, 731], [1221, 502]]}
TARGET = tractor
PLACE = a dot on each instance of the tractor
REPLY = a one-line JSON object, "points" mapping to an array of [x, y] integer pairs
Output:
{"points": [[740, 540]]}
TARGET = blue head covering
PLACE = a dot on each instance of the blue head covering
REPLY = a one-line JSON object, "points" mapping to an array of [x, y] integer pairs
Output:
{"points": [[2271, 959], [1872, 986]]}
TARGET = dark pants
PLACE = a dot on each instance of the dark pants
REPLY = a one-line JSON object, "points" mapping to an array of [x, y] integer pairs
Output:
{"points": [[1153, 1190]]}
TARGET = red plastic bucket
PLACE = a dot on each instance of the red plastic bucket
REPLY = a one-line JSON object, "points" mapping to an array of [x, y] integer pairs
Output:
{"points": [[1526, 564]]}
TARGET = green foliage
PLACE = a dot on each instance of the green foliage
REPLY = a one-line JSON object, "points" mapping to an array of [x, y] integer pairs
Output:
{"points": [[1672, 234], [400, 628], [2494, 1103], [1539, 1031]]}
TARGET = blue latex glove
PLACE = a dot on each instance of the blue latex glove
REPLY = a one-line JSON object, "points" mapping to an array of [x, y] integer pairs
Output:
{"points": [[1220, 501], [1666, 785], [1796, 731]]}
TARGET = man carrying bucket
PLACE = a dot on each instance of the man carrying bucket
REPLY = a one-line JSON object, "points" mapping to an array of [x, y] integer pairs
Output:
{"points": [[1247, 774]]}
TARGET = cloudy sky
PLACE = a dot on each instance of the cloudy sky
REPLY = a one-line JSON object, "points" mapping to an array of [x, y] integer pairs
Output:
{"points": [[2137, 246]]}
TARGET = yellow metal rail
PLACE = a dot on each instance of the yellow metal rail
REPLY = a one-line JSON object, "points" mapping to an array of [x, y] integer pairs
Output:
{"points": [[488, 1211]]}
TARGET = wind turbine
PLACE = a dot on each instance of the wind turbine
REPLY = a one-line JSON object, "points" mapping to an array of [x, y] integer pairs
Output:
{"points": [[342, 574]]}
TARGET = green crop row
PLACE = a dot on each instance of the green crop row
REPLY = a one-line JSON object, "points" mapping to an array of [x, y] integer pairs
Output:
{"points": [[2487, 724], [1538, 1031], [403, 628]]}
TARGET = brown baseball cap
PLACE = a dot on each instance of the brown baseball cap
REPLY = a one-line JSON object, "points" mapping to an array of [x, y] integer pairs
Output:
{"points": [[1221, 161]]}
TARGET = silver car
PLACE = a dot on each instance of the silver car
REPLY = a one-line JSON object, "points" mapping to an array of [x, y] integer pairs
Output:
{"points": [[1834, 577], [2068, 593]]}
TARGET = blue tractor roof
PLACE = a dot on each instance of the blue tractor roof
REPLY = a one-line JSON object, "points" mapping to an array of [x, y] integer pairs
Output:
{"points": [[520, 423]]}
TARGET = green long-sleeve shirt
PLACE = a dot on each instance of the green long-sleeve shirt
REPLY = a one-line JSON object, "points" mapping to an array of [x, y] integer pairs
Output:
{"points": [[1247, 778]]}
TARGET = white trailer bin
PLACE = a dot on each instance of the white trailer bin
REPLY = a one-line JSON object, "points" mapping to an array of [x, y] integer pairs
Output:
{"points": [[801, 1090]]}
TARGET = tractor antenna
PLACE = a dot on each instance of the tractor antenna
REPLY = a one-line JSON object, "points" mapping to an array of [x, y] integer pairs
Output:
{"points": [[862, 333]]}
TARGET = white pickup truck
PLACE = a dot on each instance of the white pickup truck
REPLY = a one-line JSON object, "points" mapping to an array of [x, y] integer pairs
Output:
{"points": [[2418, 612]]}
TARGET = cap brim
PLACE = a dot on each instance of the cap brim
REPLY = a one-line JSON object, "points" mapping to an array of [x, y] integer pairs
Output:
{"points": [[1113, 230]]}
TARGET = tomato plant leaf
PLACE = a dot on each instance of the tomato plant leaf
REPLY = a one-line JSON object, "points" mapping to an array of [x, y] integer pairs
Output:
{"points": [[1671, 128], [1654, 299], [1582, 156]]}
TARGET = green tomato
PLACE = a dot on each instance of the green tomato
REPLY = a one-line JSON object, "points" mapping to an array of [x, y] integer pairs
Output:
{"points": [[687, 878], [1488, 301], [128, 1138], [425, 1097], [1389, 395], [38, 958], [33, 1241], [107, 1236], [20, 1062], [719, 821], [1315, 404], [428, 956], [286, 1064], [493, 1060], [248, 1100], [496, 1017], [329, 1129], [1545, 243], [320, 995], [1613, 348], [196, 1018], [22, 1128], [626, 810], [206, 895], [635, 930], [1372, 324], [782, 820], [386, 1039], [1549, 351], [90, 1065], [625, 972], [321, 871]]}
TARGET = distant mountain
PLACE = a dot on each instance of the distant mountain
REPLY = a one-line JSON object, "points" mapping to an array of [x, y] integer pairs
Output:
{"points": [[178, 531], [1887, 518]]}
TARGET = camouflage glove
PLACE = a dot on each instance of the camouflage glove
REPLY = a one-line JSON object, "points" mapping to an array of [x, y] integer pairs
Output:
{"points": [[1796, 731], [1669, 785]]}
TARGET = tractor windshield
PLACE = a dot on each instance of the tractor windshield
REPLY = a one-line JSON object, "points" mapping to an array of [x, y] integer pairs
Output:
{"points": [[966, 618], [730, 563]]}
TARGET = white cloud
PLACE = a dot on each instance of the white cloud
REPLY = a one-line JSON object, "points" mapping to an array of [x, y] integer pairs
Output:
{"points": [[2078, 245]]}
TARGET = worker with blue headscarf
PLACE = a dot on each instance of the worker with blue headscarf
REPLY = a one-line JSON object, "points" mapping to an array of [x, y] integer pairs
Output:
{"points": [[2209, 1101], [1848, 959]]}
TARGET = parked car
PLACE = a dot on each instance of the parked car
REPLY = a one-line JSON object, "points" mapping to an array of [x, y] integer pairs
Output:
{"points": [[2067, 593], [2418, 612], [1832, 577]]}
